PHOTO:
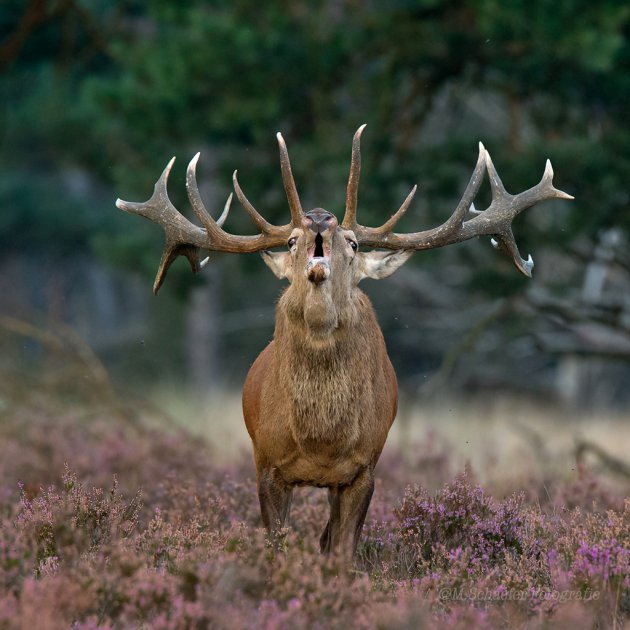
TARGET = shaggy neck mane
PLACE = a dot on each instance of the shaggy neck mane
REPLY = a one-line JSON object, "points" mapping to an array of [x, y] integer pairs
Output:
{"points": [[325, 374]]}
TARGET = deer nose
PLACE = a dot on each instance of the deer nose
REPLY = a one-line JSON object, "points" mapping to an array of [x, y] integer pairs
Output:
{"points": [[319, 220]]}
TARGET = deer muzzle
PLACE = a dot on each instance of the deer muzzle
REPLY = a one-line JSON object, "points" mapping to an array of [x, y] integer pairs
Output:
{"points": [[318, 270], [322, 224], [318, 261]]}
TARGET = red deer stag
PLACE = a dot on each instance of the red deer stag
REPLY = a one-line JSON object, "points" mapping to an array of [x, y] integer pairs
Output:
{"points": [[320, 399]]}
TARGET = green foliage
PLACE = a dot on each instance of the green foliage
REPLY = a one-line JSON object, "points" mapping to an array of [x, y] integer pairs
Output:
{"points": [[115, 91]]}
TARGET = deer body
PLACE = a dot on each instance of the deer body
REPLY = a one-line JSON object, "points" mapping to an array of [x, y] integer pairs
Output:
{"points": [[319, 414], [320, 399], [320, 430]]}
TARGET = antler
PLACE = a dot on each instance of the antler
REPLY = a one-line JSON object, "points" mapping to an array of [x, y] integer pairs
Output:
{"points": [[495, 221], [183, 238]]}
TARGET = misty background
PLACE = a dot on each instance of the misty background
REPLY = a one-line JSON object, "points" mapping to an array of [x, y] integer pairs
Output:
{"points": [[98, 96]]}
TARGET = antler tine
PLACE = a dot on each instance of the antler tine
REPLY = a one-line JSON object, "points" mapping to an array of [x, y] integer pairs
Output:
{"points": [[220, 221], [506, 243], [543, 190], [263, 225], [289, 183], [547, 181], [226, 211], [474, 184], [195, 198], [159, 196], [350, 216], [389, 225], [456, 220]]}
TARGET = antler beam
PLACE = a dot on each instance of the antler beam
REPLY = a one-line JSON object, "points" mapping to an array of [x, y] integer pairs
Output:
{"points": [[495, 221]]}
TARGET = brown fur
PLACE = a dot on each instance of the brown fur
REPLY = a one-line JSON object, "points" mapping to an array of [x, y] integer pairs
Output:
{"points": [[320, 399]]}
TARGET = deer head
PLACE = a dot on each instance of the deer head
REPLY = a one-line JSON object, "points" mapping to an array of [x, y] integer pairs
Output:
{"points": [[323, 264]]}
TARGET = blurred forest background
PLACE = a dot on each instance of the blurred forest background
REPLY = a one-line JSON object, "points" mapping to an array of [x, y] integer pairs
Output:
{"points": [[97, 96]]}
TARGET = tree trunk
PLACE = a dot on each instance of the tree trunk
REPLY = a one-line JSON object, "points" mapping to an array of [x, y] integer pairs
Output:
{"points": [[202, 335]]}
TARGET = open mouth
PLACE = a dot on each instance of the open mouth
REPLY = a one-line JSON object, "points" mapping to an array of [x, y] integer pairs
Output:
{"points": [[318, 265], [318, 249]]}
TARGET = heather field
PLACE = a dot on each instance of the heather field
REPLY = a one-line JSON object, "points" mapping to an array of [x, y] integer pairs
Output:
{"points": [[112, 520]]}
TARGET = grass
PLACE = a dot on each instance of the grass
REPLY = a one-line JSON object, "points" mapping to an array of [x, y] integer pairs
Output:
{"points": [[482, 518]]}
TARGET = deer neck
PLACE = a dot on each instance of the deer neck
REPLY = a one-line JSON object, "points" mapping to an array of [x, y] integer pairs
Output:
{"points": [[322, 347], [318, 315]]}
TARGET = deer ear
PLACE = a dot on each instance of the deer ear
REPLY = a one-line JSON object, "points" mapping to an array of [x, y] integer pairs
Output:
{"points": [[279, 263], [379, 265]]}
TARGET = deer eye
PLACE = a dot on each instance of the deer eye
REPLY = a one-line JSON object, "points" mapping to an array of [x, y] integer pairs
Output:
{"points": [[292, 241], [354, 245]]}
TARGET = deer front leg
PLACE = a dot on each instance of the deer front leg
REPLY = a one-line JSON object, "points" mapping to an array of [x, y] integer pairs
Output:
{"points": [[274, 495], [349, 505], [331, 531]]}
